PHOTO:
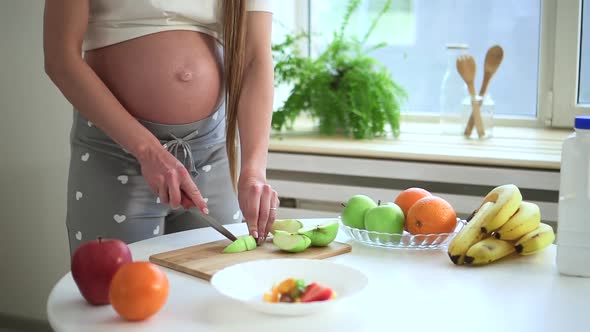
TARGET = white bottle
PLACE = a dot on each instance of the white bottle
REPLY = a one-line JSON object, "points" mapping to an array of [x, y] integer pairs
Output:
{"points": [[573, 221]]}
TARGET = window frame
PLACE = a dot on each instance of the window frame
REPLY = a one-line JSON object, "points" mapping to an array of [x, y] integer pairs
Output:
{"points": [[566, 64]]}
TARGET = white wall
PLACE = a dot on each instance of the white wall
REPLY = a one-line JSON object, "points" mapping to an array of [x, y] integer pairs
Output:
{"points": [[34, 129]]}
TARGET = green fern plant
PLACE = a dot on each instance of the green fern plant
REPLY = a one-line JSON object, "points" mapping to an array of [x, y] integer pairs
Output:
{"points": [[344, 88]]}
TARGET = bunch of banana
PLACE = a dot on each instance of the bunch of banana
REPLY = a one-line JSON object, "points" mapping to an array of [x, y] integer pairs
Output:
{"points": [[502, 225]]}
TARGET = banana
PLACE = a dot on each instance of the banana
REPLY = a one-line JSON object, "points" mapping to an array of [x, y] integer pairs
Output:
{"points": [[536, 240], [469, 234], [526, 219], [488, 250], [506, 199]]}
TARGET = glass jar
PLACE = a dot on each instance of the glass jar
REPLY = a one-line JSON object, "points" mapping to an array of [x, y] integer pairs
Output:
{"points": [[486, 109], [452, 92]]}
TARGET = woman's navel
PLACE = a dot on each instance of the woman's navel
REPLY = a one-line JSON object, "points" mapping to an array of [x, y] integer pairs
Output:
{"points": [[184, 75]]}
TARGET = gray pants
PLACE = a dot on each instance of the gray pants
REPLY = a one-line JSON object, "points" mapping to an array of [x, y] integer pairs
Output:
{"points": [[108, 196]]}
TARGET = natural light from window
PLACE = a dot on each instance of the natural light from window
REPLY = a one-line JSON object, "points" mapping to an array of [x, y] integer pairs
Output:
{"points": [[417, 31]]}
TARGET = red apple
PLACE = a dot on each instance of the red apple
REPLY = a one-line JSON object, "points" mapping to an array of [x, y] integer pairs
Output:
{"points": [[93, 265]]}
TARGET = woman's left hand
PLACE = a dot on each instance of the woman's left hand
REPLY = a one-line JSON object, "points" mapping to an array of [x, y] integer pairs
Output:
{"points": [[259, 203]]}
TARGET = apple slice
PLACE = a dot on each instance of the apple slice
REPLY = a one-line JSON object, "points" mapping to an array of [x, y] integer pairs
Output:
{"points": [[287, 225], [321, 235], [243, 243], [290, 242], [238, 245], [250, 242]]}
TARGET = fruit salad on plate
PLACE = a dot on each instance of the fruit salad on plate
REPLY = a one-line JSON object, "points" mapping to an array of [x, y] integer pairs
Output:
{"points": [[292, 290]]}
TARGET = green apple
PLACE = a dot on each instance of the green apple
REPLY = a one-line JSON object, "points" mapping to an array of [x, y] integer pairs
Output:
{"points": [[250, 242], [321, 235], [354, 211], [238, 245], [385, 218], [241, 244], [290, 242], [287, 225]]}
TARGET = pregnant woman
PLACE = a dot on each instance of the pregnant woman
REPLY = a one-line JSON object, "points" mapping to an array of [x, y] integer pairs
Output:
{"points": [[172, 108]]}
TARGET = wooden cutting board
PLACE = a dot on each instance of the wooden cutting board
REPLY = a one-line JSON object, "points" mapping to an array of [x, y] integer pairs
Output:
{"points": [[205, 259]]}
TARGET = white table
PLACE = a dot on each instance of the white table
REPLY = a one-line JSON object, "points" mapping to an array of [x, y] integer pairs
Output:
{"points": [[407, 291]]}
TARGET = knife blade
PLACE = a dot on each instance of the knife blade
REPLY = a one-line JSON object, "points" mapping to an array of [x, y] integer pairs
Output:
{"points": [[217, 226]]}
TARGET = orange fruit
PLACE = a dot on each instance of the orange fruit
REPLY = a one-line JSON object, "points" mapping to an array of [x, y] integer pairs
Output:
{"points": [[431, 215], [138, 290], [408, 197]]}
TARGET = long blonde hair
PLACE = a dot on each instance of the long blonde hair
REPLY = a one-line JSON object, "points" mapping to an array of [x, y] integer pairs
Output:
{"points": [[234, 35]]}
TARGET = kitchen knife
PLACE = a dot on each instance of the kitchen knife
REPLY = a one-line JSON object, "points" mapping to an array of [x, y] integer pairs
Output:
{"points": [[216, 225]]}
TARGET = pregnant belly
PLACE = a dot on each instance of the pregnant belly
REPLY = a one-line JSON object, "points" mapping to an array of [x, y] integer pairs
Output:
{"points": [[169, 77]]}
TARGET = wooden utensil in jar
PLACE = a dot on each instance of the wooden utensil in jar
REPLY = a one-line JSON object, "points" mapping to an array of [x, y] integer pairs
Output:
{"points": [[492, 61], [466, 68]]}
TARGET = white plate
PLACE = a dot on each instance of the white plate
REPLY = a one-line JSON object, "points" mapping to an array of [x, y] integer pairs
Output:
{"points": [[247, 282]]}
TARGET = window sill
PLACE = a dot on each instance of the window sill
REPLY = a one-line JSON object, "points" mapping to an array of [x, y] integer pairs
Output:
{"points": [[534, 148]]}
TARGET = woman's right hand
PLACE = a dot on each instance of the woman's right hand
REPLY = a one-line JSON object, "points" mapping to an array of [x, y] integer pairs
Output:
{"points": [[170, 180]]}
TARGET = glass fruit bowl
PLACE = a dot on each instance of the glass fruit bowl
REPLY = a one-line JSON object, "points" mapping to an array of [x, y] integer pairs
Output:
{"points": [[402, 241]]}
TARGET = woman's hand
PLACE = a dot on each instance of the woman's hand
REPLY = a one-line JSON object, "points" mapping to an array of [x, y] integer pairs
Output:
{"points": [[170, 180], [258, 202]]}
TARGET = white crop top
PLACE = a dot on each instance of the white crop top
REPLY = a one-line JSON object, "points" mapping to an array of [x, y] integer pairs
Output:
{"points": [[114, 21]]}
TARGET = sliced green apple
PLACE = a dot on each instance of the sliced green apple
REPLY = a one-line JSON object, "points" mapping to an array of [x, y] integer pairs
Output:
{"points": [[250, 242], [291, 242], [238, 245], [287, 225], [321, 235], [243, 243]]}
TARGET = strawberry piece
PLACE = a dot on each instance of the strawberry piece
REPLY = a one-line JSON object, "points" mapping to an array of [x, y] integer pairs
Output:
{"points": [[316, 292]]}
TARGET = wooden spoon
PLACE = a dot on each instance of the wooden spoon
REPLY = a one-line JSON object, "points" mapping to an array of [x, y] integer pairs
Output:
{"points": [[493, 59], [466, 68]]}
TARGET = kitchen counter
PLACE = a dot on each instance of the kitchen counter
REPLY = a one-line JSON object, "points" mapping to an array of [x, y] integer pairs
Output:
{"points": [[407, 291]]}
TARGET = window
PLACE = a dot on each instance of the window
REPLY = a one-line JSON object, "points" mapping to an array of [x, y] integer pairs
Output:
{"points": [[417, 31], [544, 78], [288, 17]]}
